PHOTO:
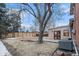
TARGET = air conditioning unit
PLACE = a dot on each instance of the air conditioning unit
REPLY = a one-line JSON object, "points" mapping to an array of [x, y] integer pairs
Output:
{"points": [[66, 44]]}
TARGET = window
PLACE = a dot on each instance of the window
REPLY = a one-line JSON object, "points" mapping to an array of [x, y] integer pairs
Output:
{"points": [[57, 34], [65, 33]]}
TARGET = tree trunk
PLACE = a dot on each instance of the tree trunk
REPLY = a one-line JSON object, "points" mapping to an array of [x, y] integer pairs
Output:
{"points": [[40, 39]]}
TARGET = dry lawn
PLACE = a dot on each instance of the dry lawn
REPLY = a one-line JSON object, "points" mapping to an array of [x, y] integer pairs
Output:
{"points": [[25, 48]]}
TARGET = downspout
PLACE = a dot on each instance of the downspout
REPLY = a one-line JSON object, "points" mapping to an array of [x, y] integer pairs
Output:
{"points": [[76, 50], [73, 39]]}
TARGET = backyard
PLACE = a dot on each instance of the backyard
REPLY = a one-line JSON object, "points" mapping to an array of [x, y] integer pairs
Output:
{"points": [[31, 29], [29, 48]]}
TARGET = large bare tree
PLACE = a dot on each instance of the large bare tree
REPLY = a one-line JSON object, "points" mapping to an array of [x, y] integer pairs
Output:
{"points": [[42, 12]]}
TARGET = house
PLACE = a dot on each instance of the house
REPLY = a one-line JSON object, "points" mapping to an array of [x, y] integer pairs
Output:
{"points": [[74, 23], [61, 32]]}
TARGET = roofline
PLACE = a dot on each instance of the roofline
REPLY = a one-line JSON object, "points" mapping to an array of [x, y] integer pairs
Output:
{"points": [[59, 27]]}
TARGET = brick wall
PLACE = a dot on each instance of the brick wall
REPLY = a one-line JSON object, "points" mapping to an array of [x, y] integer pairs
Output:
{"points": [[75, 32], [76, 23]]}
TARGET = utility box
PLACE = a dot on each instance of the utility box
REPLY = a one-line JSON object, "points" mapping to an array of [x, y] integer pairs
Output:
{"points": [[66, 44]]}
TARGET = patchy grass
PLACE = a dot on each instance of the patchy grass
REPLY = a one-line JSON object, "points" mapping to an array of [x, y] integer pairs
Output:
{"points": [[28, 48]]}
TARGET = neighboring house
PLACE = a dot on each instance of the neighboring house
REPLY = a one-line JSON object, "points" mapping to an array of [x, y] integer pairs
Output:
{"points": [[74, 24], [62, 32]]}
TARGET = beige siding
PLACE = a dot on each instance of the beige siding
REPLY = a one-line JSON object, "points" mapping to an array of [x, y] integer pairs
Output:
{"points": [[61, 29]]}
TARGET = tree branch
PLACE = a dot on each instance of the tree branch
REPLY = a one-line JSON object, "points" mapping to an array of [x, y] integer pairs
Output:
{"points": [[46, 12], [29, 12], [30, 8], [32, 13], [46, 21], [38, 10]]}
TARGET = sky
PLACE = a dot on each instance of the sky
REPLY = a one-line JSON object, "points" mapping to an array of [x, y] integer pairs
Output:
{"points": [[27, 19]]}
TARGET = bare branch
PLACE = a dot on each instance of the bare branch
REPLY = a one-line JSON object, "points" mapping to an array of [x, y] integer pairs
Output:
{"points": [[32, 13], [46, 12], [47, 20], [30, 8], [49, 16], [29, 12], [38, 10]]}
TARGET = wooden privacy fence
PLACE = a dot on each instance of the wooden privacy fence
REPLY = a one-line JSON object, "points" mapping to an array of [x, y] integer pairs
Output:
{"points": [[21, 34], [24, 34]]}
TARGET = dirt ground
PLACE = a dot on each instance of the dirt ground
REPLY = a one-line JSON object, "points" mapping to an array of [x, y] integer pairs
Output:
{"points": [[29, 48]]}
